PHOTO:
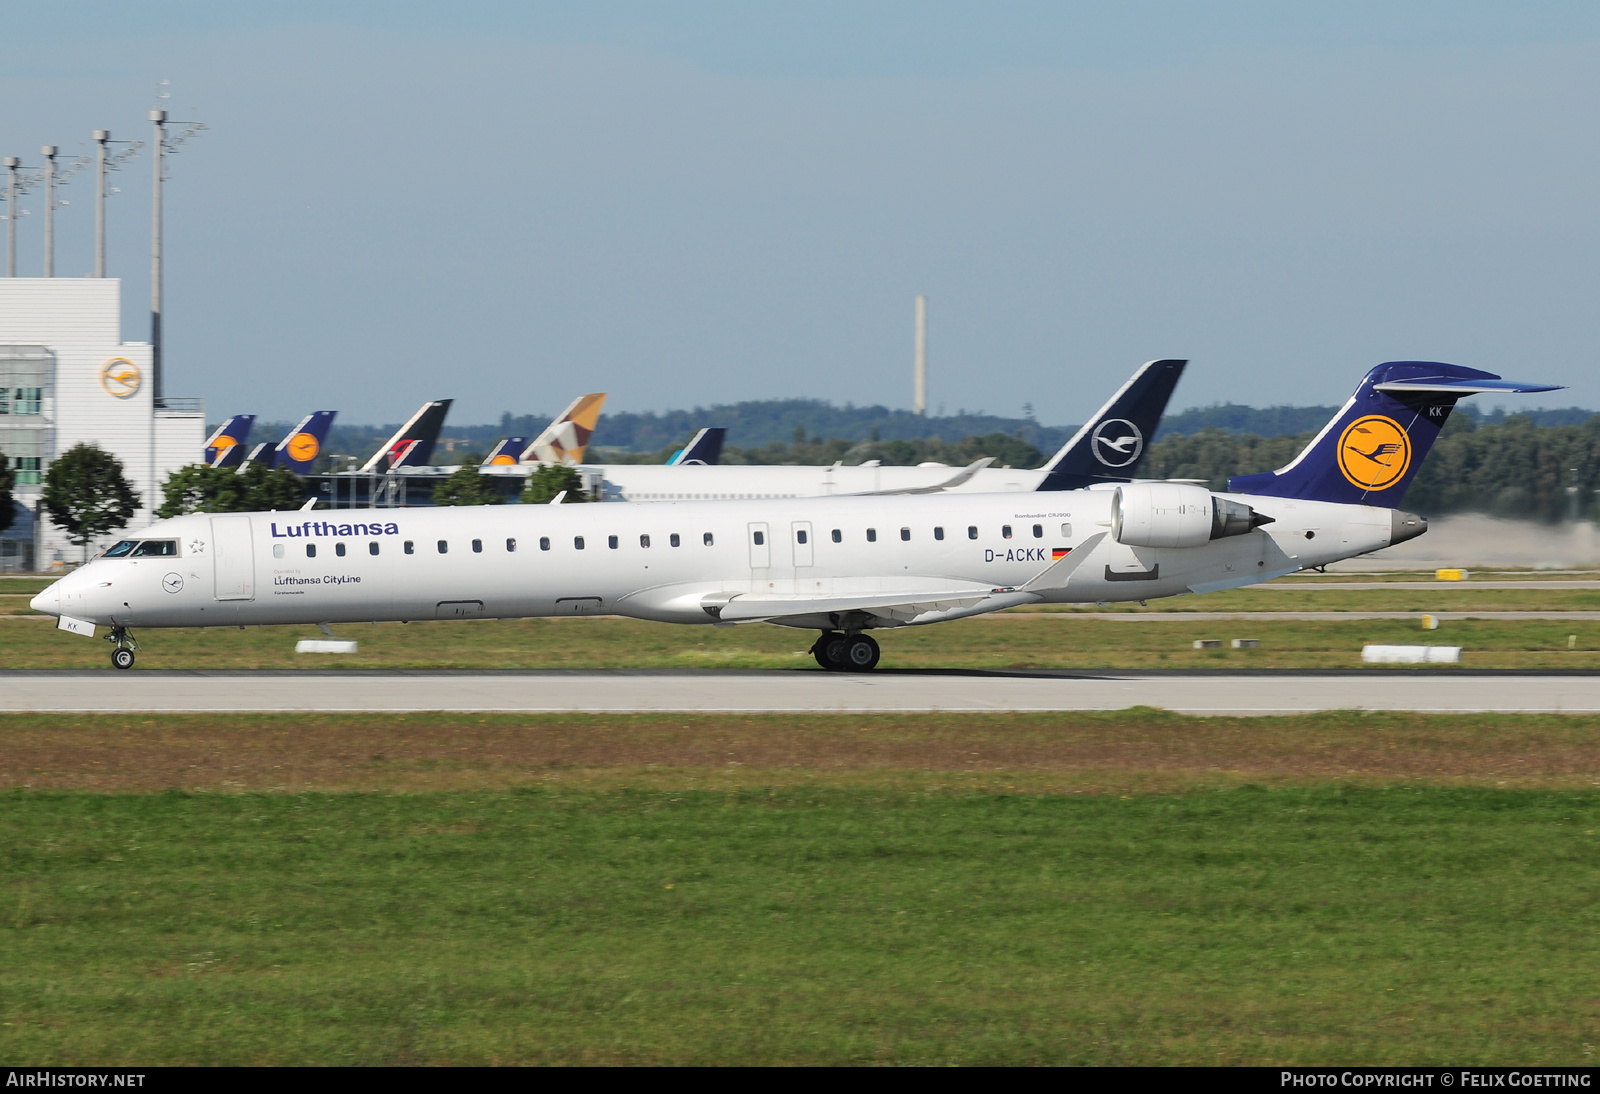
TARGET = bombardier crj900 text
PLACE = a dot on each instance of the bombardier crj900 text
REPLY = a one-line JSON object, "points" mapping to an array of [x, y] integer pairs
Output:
{"points": [[839, 565]]}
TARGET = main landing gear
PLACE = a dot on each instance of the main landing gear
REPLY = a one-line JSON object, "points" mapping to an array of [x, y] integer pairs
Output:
{"points": [[846, 652], [122, 647]]}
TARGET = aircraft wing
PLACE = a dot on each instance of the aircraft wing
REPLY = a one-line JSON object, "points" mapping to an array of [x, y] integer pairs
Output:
{"points": [[900, 605], [903, 604], [948, 484]]}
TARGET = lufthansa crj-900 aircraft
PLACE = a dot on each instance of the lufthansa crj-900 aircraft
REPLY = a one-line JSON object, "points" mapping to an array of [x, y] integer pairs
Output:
{"points": [[839, 565]]}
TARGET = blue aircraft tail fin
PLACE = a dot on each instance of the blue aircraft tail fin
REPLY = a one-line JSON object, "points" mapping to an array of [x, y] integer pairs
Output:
{"points": [[506, 453], [1371, 450], [1110, 445], [303, 444], [226, 447], [412, 445], [703, 450]]}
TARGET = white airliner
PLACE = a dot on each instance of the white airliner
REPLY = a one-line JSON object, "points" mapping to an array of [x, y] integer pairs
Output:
{"points": [[838, 565], [1107, 448]]}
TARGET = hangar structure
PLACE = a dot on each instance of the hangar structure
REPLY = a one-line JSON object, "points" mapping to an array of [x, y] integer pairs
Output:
{"points": [[67, 377]]}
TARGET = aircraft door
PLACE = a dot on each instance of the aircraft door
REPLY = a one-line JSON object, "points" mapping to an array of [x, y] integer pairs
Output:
{"points": [[801, 531], [233, 558], [760, 546]]}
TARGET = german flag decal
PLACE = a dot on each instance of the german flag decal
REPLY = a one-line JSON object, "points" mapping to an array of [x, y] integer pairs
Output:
{"points": [[1059, 553]]}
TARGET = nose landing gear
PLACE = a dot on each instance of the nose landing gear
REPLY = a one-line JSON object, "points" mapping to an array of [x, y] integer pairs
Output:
{"points": [[846, 653], [122, 647]]}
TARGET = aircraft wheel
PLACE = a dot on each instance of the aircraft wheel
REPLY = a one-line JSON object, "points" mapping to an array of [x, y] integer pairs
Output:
{"points": [[122, 657], [862, 654], [829, 651]]}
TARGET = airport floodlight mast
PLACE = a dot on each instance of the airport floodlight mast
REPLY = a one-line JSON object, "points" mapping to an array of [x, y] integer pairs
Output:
{"points": [[105, 161], [164, 146], [54, 177], [18, 183], [919, 381]]}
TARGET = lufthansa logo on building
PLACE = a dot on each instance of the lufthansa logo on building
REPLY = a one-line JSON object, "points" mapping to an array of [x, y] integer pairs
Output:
{"points": [[1374, 452], [1117, 442], [120, 377], [303, 447]]}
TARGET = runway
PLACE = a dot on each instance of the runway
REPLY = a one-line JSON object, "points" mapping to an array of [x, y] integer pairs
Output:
{"points": [[1260, 693]]}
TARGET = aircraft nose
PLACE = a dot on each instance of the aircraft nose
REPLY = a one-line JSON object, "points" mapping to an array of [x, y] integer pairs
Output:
{"points": [[48, 602]]}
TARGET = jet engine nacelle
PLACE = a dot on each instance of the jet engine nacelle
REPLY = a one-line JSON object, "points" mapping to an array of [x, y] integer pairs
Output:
{"points": [[1170, 514]]}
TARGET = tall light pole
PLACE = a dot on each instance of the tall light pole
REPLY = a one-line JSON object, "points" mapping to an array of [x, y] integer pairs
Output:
{"points": [[101, 137], [159, 117], [11, 165], [106, 162], [49, 153], [919, 382], [164, 146]]}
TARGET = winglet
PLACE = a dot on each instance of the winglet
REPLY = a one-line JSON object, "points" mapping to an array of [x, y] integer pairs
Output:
{"points": [[1056, 575]]}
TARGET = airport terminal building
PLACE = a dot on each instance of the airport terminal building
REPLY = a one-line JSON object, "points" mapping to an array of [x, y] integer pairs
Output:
{"points": [[66, 377]]}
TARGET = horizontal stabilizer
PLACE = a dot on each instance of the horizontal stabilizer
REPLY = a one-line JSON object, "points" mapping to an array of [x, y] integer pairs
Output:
{"points": [[1467, 387]]}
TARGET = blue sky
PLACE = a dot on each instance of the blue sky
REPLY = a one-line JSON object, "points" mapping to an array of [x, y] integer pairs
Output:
{"points": [[683, 204]]}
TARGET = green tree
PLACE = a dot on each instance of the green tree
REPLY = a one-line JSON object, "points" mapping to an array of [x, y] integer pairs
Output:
{"points": [[86, 494], [8, 478], [549, 480], [465, 486], [201, 489]]}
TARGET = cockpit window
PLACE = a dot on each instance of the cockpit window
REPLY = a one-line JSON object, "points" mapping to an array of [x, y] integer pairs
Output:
{"points": [[120, 548], [150, 547]]}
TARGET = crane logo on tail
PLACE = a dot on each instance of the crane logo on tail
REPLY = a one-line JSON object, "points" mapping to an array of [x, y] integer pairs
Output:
{"points": [[1374, 452], [303, 446], [1116, 442]]}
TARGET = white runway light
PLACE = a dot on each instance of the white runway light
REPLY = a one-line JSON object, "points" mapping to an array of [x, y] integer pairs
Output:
{"points": [[1410, 655], [323, 645]]}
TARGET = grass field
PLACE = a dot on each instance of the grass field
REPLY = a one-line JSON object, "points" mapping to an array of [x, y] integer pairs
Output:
{"points": [[1001, 641], [1119, 888]]}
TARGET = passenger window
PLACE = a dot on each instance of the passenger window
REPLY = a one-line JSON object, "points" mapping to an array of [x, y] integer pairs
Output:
{"points": [[761, 538], [1038, 531], [800, 536], [972, 531], [577, 543], [905, 534], [117, 550], [411, 548], [477, 546], [872, 535], [674, 540], [611, 542], [1066, 530], [277, 550], [544, 543], [311, 550], [338, 549], [938, 533], [372, 548], [707, 539], [644, 541], [838, 536], [511, 545], [1005, 530], [444, 546]]}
